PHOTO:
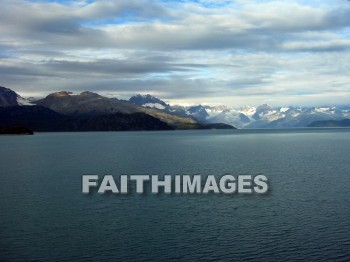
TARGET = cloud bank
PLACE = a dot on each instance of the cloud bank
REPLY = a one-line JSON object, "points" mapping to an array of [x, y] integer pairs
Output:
{"points": [[231, 52]]}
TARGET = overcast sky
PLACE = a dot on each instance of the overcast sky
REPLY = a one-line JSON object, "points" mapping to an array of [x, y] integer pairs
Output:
{"points": [[235, 52]]}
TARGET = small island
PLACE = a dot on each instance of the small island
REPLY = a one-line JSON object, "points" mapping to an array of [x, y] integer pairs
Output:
{"points": [[331, 123], [17, 130]]}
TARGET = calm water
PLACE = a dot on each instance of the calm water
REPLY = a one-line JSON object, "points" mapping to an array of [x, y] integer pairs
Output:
{"points": [[306, 215]]}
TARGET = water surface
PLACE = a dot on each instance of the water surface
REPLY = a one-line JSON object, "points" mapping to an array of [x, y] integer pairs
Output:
{"points": [[305, 216]]}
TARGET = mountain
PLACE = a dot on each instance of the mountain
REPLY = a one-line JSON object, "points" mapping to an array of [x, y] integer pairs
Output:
{"points": [[7, 97], [152, 102], [87, 111], [262, 111], [228, 115], [84, 104], [122, 122], [331, 123], [198, 112], [301, 117], [265, 116], [87, 104], [148, 101], [39, 118], [11, 98]]}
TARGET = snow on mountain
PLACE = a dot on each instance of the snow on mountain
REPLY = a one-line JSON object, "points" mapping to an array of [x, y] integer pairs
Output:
{"points": [[248, 110], [11, 98], [199, 112], [265, 116], [284, 109], [23, 101], [234, 117], [148, 101], [154, 105], [7, 97], [264, 111]]}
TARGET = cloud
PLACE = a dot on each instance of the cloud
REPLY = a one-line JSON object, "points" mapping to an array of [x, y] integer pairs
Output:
{"points": [[254, 26], [186, 51], [318, 46]]}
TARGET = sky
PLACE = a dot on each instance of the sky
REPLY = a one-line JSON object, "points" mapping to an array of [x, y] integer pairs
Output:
{"points": [[232, 52]]}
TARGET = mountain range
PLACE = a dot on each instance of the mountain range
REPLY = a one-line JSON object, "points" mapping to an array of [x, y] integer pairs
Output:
{"points": [[263, 116], [90, 107], [87, 111]]}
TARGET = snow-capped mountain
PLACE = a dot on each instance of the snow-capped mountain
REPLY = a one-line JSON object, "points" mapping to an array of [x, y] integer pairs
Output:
{"points": [[11, 98], [198, 112], [148, 101], [263, 116]]}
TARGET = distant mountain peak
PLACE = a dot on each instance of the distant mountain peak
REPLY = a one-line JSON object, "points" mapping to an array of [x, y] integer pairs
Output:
{"points": [[146, 95], [61, 94], [88, 93], [148, 100], [86, 104], [68, 93], [264, 107], [8, 97], [5, 89], [199, 112]]}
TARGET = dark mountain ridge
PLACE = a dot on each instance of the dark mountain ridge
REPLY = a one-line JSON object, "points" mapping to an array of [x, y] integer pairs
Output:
{"points": [[39, 118], [88, 111], [7, 97], [88, 104]]}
